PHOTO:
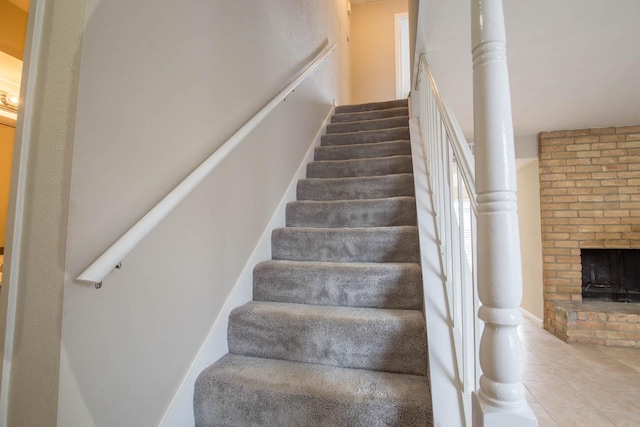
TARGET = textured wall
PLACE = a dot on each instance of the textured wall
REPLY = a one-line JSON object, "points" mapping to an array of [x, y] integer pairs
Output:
{"points": [[162, 85]]}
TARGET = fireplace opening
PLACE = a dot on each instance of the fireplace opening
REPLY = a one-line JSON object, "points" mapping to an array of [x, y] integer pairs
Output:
{"points": [[611, 275]]}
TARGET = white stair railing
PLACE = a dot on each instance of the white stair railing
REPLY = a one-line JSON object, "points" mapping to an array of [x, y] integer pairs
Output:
{"points": [[450, 168], [484, 286]]}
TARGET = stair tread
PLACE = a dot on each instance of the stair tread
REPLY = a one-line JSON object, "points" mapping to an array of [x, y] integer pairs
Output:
{"points": [[319, 312], [389, 340], [291, 394], [347, 265], [386, 244], [372, 106], [379, 212], [357, 284], [369, 124], [368, 187], [373, 166], [369, 115], [363, 150], [365, 136]]}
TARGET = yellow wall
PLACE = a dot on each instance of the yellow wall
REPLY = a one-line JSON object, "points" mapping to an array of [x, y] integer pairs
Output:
{"points": [[6, 153], [13, 27], [530, 238], [373, 69]]}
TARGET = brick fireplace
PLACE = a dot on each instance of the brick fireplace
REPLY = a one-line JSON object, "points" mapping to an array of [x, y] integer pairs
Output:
{"points": [[589, 199]]}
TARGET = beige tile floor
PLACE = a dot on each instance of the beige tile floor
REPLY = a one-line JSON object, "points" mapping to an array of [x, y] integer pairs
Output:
{"points": [[579, 384]]}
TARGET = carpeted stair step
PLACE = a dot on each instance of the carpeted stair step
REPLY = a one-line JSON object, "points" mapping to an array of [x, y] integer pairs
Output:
{"points": [[381, 244], [363, 151], [365, 137], [255, 392], [359, 167], [374, 285], [376, 124], [335, 334], [347, 337], [370, 115], [370, 106], [370, 187], [385, 212]]}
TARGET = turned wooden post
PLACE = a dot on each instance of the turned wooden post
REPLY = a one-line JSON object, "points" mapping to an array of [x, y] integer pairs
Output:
{"points": [[500, 400]]}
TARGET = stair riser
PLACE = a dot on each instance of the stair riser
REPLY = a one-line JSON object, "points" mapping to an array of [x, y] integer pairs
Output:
{"points": [[356, 188], [392, 286], [394, 343], [359, 167], [365, 137], [369, 115], [385, 105], [352, 213], [388, 123], [362, 151], [346, 245]]}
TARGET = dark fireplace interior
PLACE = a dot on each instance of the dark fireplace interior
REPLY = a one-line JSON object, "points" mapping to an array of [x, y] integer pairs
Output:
{"points": [[611, 275]]}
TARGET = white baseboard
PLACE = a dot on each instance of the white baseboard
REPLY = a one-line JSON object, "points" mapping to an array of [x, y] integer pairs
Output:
{"points": [[180, 411], [532, 317]]}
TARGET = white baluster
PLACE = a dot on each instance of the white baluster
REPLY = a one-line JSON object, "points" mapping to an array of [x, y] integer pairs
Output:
{"points": [[500, 400]]}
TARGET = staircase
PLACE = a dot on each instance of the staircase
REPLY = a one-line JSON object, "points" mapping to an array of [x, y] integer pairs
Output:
{"points": [[335, 335]]}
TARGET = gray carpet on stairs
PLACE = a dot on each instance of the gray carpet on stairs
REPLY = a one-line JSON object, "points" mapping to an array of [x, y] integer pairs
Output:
{"points": [[359, 167], [363, 151], [386, 212], [245, 391], [352, 284], [335, 335], [366, 136], [370, 115]]}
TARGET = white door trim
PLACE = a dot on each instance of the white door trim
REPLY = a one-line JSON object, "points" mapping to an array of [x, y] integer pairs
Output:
{"points": [[9, 292], [401, 73]]}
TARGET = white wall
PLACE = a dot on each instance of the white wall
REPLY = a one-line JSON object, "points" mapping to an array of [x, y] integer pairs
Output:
{"points": [[161, 85], [530, 237]]}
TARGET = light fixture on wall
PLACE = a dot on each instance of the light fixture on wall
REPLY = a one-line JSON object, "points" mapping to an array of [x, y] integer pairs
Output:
{"points": [[10, 77], [9, 101]]}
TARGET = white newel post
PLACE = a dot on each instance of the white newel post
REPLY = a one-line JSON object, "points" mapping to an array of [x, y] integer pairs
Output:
{"points": [[500, 400]]}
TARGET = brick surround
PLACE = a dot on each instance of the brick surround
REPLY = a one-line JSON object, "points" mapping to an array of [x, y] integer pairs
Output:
{"points": [[589, 198]]}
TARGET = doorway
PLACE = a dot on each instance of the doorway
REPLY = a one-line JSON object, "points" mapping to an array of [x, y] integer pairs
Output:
{"points": [[403, 63]]}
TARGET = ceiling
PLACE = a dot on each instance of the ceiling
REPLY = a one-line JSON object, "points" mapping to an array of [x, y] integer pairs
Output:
{"points": [[572, 63]]}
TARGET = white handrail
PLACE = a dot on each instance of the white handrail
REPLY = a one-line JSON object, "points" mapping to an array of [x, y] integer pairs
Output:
{"points": [[113, 256], [463, 156]]}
